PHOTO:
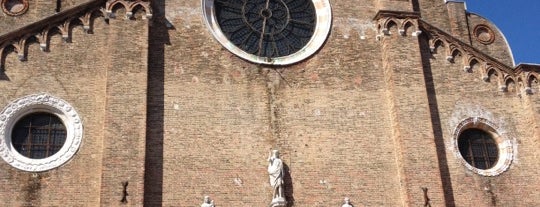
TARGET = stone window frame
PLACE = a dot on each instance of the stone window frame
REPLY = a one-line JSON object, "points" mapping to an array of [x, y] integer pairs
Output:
{"points": [[41, 102], [504, 143], [24, 4], [323, 12], [482, 28]]}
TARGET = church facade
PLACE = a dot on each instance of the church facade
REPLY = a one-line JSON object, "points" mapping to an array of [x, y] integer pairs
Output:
{"points": [[190, 103]]}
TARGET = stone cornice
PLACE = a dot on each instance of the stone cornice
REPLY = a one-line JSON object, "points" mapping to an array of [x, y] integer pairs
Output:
{"points": [[63, 22], [396, 14]]}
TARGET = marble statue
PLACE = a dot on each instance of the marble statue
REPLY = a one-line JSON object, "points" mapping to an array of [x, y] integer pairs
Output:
{"points": [[346, 202], [207, 202], [275, 171]]}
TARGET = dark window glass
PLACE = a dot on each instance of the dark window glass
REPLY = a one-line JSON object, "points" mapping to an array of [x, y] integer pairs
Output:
{"points": [[267, 28], [38, 135], [478, 148]]}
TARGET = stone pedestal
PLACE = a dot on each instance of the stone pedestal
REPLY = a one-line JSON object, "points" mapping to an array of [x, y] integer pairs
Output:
{"points": [[278, 202]]}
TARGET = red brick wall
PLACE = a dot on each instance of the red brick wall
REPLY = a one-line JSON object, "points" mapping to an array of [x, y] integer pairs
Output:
{"points": [[172, 112]]}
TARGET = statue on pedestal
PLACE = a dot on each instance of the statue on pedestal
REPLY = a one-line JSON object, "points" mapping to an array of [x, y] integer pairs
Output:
{"points": [[275, 171], [207, 202]]}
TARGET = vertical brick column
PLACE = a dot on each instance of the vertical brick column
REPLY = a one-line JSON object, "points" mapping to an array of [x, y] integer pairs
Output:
{"points": [[459, 27], [125, 114], [416, 151]]}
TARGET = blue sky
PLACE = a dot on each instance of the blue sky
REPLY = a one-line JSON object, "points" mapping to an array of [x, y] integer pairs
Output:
{"points": [[519, 20]]}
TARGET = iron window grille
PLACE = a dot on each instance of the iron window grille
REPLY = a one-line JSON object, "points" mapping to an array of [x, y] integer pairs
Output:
{"points": [[478, 148], [38, 135]]}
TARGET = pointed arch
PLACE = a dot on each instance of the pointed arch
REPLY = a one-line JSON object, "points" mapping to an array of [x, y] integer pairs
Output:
{"points": [[437, 43], [454, 52], [532, 84], [388, 25], [509, 84], [406, 27], [491, 74], [4, 51], [143, 6], [473, 63]]}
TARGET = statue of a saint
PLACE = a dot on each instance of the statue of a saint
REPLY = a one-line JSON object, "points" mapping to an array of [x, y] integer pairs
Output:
{"points": [[207, 202], [275, 171], [346, 202]]}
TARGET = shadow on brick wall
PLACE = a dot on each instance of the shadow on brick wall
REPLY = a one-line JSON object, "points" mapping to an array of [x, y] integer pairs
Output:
{"points": [[288, 186], [436, 121], [158, 38]]}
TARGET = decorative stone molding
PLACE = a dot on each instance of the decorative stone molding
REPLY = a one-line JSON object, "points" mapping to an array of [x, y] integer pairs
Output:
{"points": [[39, 103], [130, 6], [62, 23], [484, 34], [529, 75], [404, 21], [504, 143], [490, 68]]}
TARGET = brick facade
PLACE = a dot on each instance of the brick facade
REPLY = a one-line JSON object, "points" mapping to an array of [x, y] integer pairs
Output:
{"points": [[371, 116]]}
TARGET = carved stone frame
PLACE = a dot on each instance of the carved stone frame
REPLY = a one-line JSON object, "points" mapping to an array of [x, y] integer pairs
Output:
{"points": [[482, 28], [323, 13], [6, 10], [42, 102], [504, 143]]}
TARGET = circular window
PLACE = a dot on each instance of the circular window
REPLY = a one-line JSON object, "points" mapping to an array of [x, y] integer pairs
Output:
{"points": [[14, 7], [481, 148], [269, 31], [478, 148], [39, 132], [484, 34], [38, 135]]}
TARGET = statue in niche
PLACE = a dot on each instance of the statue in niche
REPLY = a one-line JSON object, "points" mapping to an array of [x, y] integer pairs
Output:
{"points": [[346, 202], [275, 171], [207, 202]]}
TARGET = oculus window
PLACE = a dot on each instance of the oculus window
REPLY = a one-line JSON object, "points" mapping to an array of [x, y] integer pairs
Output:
{"points": [[39, 132], [478, 148], [38, 135], [275, 32], [482, 147], [14, 7]]}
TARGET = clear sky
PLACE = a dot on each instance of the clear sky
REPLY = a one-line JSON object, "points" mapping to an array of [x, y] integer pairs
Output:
{"points": [[519, 21]]}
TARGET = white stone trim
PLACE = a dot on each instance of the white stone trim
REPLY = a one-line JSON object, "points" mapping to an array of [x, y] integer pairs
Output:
{"points": [[41, 102], [323, 12], [504, 143]]}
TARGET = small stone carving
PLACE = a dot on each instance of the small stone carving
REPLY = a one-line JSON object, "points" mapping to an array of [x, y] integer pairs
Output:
{"points": [[275, 171], [346, 202], [207, 202]]}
